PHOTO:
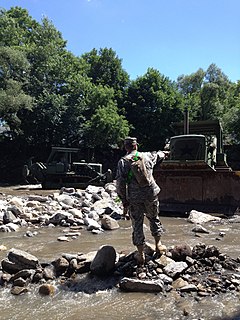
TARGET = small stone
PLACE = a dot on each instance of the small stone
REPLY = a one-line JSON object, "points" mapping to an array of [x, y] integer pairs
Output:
{"points": [[63, 238], [18, 290], [46, 289]]}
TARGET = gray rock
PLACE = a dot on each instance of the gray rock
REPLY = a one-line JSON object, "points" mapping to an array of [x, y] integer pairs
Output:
{"points": [[37, 198], [91, 224], [174, 269], [18, 290], [166, 279], [188, 288], [163, 261], [24, 258], [8, 216], [200, 229], [12, 226], [179, 283], [16, 210], [109, 223], [49, 272], [65, 199], [61, 265], [135, 285], [197, 217]]}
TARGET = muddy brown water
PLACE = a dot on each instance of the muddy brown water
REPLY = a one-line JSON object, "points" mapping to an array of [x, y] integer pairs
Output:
{"points": [[114, 304]]}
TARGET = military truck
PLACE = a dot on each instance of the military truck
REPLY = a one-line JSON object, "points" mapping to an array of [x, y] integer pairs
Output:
{"points": [[196, 174], [64, 169]]}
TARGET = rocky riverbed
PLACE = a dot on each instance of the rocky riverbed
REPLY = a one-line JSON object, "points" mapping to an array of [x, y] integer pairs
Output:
{"points": [[198, 271]]}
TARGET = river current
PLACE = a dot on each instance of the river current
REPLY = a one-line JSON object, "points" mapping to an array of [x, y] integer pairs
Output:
{"points": [[114, 304]]}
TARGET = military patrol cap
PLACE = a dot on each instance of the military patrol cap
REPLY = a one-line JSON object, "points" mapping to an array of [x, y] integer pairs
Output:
{"points": [[130, 141]]}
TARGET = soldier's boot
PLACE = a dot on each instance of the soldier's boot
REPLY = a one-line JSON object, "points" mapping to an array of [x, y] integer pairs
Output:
{"points": [[159, 247], [140, 255]]}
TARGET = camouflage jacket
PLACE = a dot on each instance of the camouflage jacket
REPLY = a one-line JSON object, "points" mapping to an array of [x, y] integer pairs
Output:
{"points": [[131, 191]]}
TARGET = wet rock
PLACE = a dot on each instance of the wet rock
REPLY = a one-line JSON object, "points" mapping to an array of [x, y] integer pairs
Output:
{"points": [[18, 212], [49, 272], [18, 290], [136, 285], [19, 260], [24, 274], [104, 261], [109, 223], [80, 266], [61, 265], [189, 261], [29, 234], [46, 289], [20, 282], [67, 190], [38, 276]]}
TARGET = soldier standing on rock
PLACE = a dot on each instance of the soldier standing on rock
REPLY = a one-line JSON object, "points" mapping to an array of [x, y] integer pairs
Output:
{"points": [[139, 199]]}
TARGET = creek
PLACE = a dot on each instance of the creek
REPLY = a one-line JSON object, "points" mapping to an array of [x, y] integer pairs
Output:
{"points": [[114, 304]]}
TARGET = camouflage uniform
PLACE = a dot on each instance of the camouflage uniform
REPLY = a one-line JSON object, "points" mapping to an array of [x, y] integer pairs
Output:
{"points": [[141, 200]]}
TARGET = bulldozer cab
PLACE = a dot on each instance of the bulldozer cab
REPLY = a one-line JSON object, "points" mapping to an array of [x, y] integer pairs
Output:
{"points": [[188, 147], [203, 142], [60, 159]]}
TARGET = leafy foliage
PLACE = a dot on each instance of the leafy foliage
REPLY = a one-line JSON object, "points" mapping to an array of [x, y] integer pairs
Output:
{"points": [[152, 105]]}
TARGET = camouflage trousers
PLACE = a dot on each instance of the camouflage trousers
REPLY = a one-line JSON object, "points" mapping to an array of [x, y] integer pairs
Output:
{"points": [[137, 211]]}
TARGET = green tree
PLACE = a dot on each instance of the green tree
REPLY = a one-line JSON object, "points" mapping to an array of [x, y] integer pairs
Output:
{"points": [[14, 77], [106, 127], [153, 103], [16, 27], [105, 68], [231, 118], [205, 93]]}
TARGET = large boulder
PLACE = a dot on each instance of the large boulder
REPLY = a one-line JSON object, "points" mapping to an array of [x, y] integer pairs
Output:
{"points": [[198, 217], [104, 262], [19, 260]]}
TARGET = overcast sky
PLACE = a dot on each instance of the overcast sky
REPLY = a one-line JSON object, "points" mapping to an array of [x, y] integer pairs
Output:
{"points": [[173, 36]]}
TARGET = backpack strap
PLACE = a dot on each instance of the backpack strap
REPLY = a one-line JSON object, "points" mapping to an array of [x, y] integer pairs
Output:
{"points": [[130, 173]]}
